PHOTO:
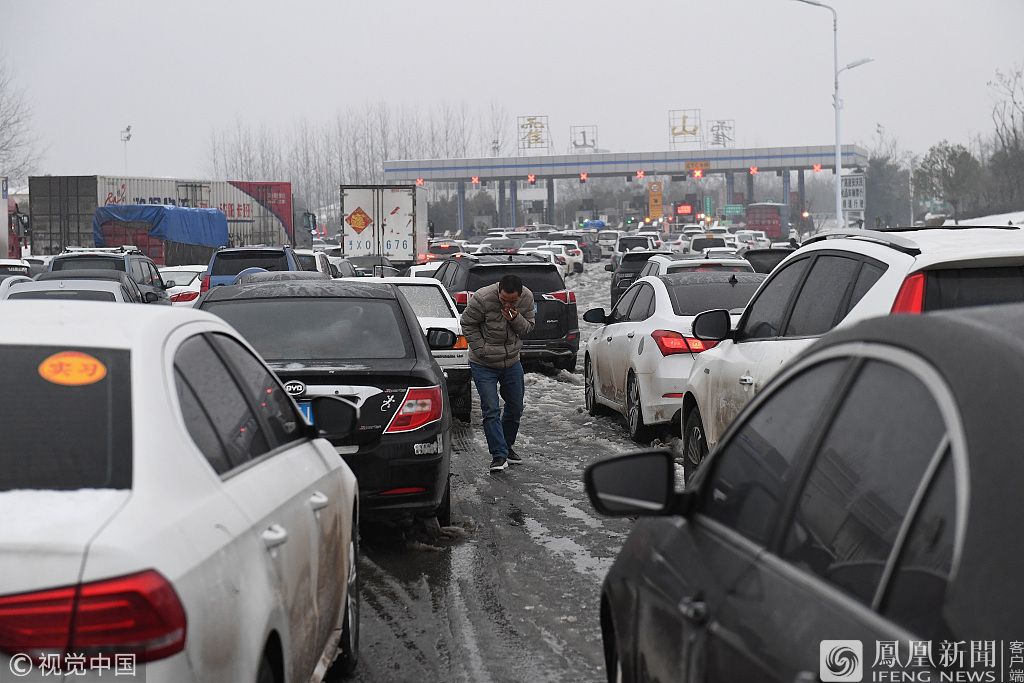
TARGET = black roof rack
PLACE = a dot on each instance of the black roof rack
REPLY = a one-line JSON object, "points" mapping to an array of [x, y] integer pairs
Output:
{"points": [[877, 237]]}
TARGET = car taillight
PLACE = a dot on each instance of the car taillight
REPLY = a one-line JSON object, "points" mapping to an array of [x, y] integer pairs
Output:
{"points": [[420, 407], [460, 343], [427, 257], [911, 295], [462, 297], [564, 296], [138, 614], [670, 342], [185, 296], [205, 286]]}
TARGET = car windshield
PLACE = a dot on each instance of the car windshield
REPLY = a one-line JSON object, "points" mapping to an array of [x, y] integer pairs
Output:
{"points": [[233, 263], [319, 328], [78, 294], [692, 299], [180, 278], [427, 301], [539, 280], [66, 418], [87, 263]]}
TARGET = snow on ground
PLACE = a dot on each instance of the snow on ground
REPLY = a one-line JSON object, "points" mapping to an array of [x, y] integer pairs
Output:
{"points": [[1014, 218]]}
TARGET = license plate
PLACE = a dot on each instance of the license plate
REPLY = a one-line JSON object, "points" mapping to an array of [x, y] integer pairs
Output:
{"points": [[306, 408]]}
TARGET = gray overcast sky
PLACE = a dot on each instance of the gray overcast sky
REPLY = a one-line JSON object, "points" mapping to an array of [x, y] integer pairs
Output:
{"points": [[177, 70]]}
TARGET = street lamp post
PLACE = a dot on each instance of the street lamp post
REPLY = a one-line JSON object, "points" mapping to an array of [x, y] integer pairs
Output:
{"points": [[840, 221]]}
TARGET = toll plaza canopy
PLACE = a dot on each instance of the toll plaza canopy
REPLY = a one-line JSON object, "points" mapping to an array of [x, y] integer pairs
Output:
{"points": [[680, 162]]}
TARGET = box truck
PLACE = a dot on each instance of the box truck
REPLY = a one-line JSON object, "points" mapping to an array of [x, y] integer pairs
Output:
{"points": [[384, 220]]}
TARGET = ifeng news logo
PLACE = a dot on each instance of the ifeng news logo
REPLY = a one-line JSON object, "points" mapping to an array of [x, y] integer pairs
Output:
{"points": [[841, 660]]}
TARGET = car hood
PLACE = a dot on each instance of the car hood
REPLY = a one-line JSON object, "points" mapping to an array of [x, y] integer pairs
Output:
{"points": [[45, 534]]}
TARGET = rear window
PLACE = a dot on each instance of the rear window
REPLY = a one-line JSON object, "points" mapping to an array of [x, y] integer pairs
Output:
{"points": [[961, 287], [765, 261], [305, 262], [702, 243], [444, 249], [62, 294], [234, 263], [634, 262], [180, 278], [627, 243], [503, 243], [66, 420], [427, 301], [13, 270], [607, 235], [693, 299], [369, 261], [86, 263], [539, 280], [708, 268], [319, 328]]}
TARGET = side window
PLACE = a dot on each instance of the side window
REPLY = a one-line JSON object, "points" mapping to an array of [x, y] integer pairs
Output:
{"points": [[440, 272], [622, 307], [137, 273], [642, 304], [753, 469], [863, 479], [816, 310], [236, 427], [649, 269], [199, 426], [917, 589], [154, 275], [869, 275], [127, 295], [275, 406], [766, 312]]}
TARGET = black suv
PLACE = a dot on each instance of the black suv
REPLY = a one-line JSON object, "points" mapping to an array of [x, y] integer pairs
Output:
{"points": [[587, 241], [627, 270], [556, 335], [126, 259]]}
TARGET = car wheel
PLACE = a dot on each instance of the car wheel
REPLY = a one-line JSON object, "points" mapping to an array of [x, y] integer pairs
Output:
{"points": [[578, 268], [696, 444], [444, 510], [265, 674], [638, 431], [590, 390], [348, 656]]}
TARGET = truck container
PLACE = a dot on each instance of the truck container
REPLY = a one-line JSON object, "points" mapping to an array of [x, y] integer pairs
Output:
{"points": [[770, 217], [384, 220], [61, 208]]}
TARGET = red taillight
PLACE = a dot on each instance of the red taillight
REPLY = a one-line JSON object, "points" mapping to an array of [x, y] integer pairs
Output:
{"points": [[420, 407], [462, 298], [911, 295], [205, 287], [399, 492], [138, 614], [670, 342], [185, 296], [564, 296]]}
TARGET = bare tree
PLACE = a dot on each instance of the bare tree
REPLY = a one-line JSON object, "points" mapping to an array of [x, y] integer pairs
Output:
{"points": [[20, 151], [495, 131]]}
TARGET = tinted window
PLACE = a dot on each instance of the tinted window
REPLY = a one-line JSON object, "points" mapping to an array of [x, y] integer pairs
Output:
{"points": [[753, 469], [233, 263], [708, 268], [66, 418], [77, 294], [237, 429], [869, 274], [319, 328], [306, 262], [764, 318], [764, 261], [817, 308], [180, 278], [633, 262], [200, 428], [138, 274], [272, 403], [917, 589], [702, 243], [649, 268], [642, 309], [13, 270], [693, 299], [85, 263], [538, 279], [444, 249], [863, 479], [426, 301], [607, 235], [622, 307], [960, 287], [628, 243]]}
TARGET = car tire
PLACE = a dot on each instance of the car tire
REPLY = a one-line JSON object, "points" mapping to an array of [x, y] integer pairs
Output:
{"points": [[590, 391], [695, 445], [577, 268], [265, 674], [638, 431], [348, 649]]}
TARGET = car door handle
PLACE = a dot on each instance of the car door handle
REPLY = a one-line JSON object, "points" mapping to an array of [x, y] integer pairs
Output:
{"points": [[631, 335], [746, 380], [694, 609], [318, 501], [274, 535]]}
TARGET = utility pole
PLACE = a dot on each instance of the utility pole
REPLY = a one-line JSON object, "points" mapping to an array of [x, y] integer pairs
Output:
{"points": [[126, 135]]}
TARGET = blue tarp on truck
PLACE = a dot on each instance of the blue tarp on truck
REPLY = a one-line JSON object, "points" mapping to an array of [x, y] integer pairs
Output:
{"points": [[205, 227]]}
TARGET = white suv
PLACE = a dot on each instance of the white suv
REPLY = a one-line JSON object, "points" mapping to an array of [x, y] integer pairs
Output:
{"points": [[836, 279]]}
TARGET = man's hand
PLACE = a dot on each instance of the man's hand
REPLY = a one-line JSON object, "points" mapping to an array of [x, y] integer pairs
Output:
{"points": [[510, 313]]}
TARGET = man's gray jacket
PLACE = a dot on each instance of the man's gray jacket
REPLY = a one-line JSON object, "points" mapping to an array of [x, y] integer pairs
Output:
{"points": [[493, 339]]}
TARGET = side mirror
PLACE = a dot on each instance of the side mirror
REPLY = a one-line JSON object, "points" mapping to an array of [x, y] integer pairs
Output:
{"points": [[712, 325], [333, 417], [440, 338], [609, 267], [595, 315], [641, 483], [150, 297]]}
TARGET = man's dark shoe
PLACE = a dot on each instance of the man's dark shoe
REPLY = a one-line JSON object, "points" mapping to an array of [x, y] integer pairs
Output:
{"points": [[498, 464], [513, 458]]}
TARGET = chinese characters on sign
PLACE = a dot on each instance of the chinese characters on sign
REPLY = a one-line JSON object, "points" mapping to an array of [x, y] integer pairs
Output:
{"points": [[654, 200], [584, 139], [721, 133], [685, 128], [72, 665], [533, 133], [854, 192]]}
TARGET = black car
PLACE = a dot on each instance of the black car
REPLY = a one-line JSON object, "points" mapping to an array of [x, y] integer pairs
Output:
{"points": [[359, 340], [870, 494], [587, 241], [126, 259], [627, 270], [556, 335]]}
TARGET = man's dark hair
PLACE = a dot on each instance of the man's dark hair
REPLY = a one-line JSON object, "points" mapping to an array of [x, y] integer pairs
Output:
{"points": [[511, 284]]}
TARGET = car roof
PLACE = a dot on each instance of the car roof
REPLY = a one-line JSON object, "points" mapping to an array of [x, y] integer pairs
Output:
{"points": [[346, 287], [701, 258], [242, 250], [46, 285], [931, 246], [191, 266], [406, 281], [986, 381], [84, 274], [709, 277]]}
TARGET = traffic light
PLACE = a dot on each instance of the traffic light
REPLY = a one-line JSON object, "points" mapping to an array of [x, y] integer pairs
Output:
{"points": [[806, 214], [476, 180], [817, 168], [639, 174], [583, 177], [419, 181], [753, 170], [698, 173], [532, 179]]}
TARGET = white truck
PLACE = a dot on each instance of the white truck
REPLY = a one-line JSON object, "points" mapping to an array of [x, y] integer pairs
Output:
{"points": [[384, 220]]}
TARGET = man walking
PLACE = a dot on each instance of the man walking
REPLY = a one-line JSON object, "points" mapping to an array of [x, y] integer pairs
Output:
{"points": [[494, 323]]}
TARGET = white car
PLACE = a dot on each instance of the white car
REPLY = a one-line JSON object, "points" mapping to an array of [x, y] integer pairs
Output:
{"points": [[637, 361], [183, 283], [607, 239], [73, 290], [663, 264], [434, 307], [753, 239], [836, 279], [315, 260], [180, 512], [13, 266], [573, 254], [550, 255], [634, 242]]}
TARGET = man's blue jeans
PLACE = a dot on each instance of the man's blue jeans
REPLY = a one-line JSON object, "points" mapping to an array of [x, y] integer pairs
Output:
{"points": [[500, 427]]}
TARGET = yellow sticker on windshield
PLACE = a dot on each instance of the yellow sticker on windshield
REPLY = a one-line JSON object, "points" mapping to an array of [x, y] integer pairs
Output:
{"points": [[72, 369]]}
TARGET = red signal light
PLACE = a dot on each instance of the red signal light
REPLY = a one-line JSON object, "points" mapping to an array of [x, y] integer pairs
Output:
{"points": [[419, 181], [753, 170], [639, 174], [583, 177], [817, 168], [531, 178], [476, 180], [698, 173]]}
